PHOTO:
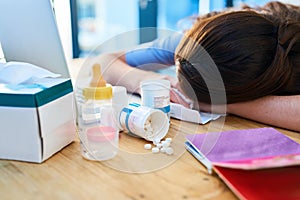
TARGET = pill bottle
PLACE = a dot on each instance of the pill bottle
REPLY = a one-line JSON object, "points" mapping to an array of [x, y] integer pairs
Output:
{"points": [[97, 111], [119, 101], [156, 94], [148, 123]]}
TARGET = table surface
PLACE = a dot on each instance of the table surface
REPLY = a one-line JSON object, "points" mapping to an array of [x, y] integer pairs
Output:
{"points": [[135, 173]]}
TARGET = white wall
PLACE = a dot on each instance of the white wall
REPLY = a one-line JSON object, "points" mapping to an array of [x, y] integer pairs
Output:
{"points": [[113, 17]]}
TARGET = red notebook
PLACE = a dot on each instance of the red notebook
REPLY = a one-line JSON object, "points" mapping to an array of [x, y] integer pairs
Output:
{"points": [[274, 184], [257, 163]]}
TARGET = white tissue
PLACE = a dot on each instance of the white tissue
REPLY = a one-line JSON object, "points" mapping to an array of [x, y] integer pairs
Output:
{"points": [[23, 73]]}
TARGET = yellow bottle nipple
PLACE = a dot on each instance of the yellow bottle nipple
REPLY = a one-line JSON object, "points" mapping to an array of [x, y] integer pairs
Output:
{"points": [[97, 79]]}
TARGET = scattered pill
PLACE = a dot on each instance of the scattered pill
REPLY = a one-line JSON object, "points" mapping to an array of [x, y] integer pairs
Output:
{"points": [[163, 150], [155, 150], [148, 146], [159, 145], [165, 144], [156, 141], [169, 151]]}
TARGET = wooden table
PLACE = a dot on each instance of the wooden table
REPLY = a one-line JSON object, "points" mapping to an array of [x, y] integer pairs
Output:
{"points": [[135, 174]]}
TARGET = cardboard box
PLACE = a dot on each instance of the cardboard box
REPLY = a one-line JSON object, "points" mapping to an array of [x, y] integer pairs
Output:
{"points": [[36, 122]]}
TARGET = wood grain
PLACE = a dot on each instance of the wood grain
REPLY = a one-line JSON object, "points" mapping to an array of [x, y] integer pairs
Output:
{"points": [[67, 175]]}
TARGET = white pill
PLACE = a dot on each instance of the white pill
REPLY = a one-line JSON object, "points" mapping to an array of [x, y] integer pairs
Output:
{"points": [[155, 150], [159, 145], [163, 150], [156, 141], [148, 133], [149, 129], [169, 151], [148, 146], [165, 144], [168, 139]]}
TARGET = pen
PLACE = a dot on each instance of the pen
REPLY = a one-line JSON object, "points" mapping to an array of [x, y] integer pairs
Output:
{"points": [[199, 156]]}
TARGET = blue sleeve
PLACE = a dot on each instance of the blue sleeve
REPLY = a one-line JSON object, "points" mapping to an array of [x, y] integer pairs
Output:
{"points": [[160, 51]]}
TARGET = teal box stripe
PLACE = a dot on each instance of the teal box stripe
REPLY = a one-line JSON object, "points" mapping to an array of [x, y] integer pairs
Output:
{"points": [[16, 100], [53, 93], [35, 100]]}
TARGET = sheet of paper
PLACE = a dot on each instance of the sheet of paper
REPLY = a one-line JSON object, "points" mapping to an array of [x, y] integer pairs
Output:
{"points": [[185, 114]]}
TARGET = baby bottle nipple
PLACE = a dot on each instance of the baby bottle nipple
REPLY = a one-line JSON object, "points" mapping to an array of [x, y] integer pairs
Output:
{"points": [[97, 79]]}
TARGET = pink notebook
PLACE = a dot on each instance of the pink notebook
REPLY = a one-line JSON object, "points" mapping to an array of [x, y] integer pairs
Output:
{"points": [[245, 149]]}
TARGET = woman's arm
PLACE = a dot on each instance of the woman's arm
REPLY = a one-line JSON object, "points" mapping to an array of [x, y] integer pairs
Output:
{"points": [[154, 55], [281, 111], [117, 72]]}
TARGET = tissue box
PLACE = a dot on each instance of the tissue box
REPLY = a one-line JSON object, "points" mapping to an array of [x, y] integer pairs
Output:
{"points": [[36, 121]]}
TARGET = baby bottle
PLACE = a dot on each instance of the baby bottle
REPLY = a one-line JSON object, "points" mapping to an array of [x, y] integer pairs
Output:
{"points": [[98, 131]]}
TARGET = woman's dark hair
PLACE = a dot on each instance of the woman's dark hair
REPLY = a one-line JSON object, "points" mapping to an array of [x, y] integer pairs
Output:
{"points": [[256, 51]]}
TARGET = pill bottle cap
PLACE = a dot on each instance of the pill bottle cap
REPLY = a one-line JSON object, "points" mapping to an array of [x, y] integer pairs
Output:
{"points": [[101, 133], [120, 94], [155, 84]]}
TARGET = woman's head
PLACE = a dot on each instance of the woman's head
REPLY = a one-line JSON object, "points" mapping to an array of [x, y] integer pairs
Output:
{"points": [[255, 54]]}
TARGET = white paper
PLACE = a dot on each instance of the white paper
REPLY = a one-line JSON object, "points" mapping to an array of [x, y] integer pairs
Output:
{"points": [[178, 111]]}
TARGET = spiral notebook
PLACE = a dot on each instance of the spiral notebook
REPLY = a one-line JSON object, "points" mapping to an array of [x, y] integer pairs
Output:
{"points": [[253, 163]]}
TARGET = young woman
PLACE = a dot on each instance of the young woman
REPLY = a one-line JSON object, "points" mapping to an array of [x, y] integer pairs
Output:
{"points": [[248, 60]]}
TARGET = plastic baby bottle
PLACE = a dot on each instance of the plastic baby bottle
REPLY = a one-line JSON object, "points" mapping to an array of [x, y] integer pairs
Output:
{"points": [[98, 130]]}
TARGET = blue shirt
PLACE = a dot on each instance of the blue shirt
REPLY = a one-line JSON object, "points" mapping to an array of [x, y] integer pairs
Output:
{"points": [[154, 55]]}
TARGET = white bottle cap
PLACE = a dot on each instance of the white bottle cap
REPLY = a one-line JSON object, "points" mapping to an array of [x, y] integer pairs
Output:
{"points": [[156, 84], [119, 94]]}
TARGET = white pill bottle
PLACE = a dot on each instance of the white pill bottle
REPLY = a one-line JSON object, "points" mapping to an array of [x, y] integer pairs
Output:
{"points": [[148, 123], [156, 94]]}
